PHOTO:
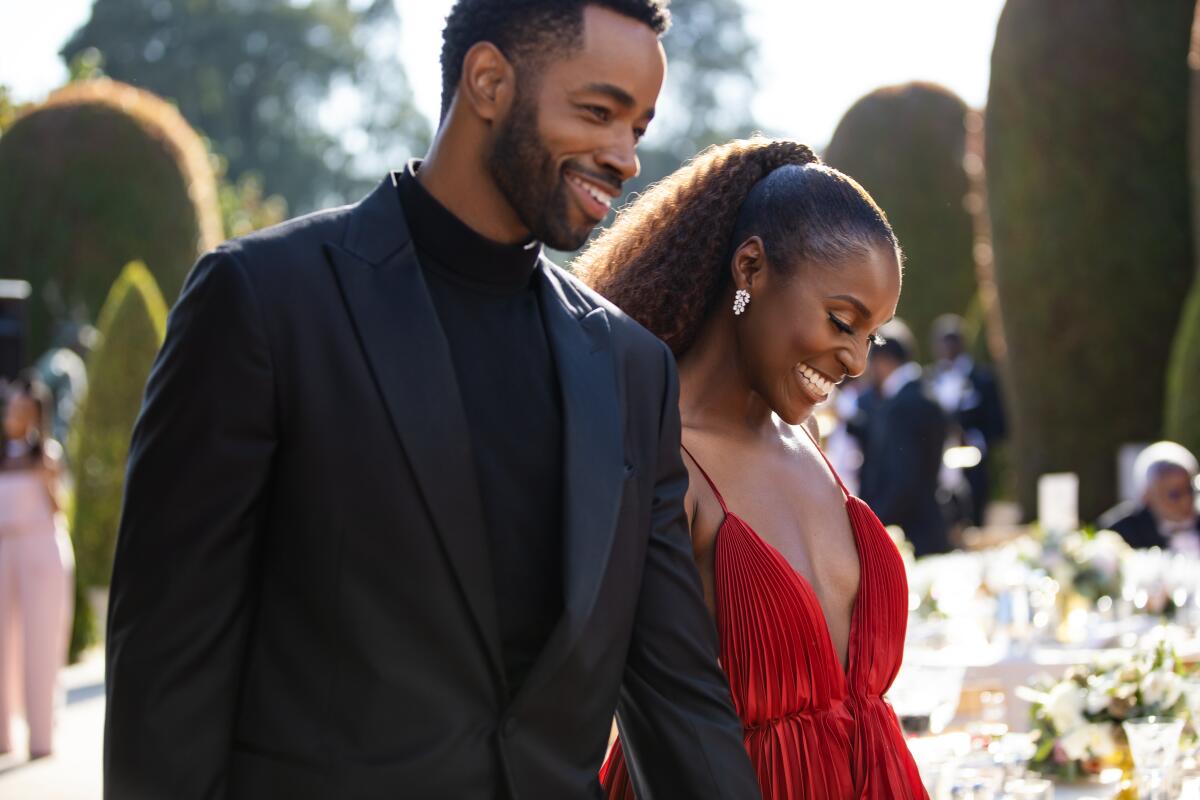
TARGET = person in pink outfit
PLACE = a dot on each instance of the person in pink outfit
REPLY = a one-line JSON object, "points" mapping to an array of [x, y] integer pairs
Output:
{"points": [[35, 572]]}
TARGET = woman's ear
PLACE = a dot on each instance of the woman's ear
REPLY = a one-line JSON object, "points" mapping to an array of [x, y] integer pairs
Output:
{"points": [[748, 263], [488, 81]]}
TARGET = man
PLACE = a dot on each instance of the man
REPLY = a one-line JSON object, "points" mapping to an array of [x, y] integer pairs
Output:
{"points": [[1165, 513], [905, 431], [969, 394], [404, 510]]}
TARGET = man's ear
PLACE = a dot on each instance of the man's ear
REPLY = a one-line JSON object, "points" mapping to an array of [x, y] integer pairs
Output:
{"points": [[488, 82]]}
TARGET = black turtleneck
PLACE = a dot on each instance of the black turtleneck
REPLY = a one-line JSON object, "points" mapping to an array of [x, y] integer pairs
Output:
{"points": [[486, 298]]}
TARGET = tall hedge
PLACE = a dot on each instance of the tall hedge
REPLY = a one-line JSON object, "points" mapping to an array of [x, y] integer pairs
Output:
{"points": [[1088, 191], [132, 326], [99, 175], [1183, 375], [906, 145]]}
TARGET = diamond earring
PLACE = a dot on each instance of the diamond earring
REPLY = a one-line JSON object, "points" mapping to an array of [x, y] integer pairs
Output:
{"points": [[741, 299]]}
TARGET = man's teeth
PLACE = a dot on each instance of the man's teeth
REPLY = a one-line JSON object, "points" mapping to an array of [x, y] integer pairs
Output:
{"points": [[812, 376], [600, 197]]}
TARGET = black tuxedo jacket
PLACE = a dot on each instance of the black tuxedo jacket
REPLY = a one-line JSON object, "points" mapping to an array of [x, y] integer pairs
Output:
{"points": [[982, 409], [1135, 523], [302, 603], [905, 437]]}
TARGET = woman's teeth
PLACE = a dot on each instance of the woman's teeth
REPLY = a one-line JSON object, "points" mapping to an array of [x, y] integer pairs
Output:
{"points": [[814, 378], [596, 194]]}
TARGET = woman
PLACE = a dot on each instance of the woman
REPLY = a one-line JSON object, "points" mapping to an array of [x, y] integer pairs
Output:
{"points": [[35, 572], [768, 274]]}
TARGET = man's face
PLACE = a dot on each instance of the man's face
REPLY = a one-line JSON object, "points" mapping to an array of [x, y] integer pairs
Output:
{"points": [[949, 346], [1170, 496], [568, 142]]}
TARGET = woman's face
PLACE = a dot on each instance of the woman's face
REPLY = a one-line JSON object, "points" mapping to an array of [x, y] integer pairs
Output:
{"points": [[20, 414], [807, 329]]}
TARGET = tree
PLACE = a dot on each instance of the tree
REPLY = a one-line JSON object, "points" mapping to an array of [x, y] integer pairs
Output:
{"points": [[8, 109], [1183, 378], [99, 175], [906, 145], [256, 76], [1088, 190], [132, 327]]}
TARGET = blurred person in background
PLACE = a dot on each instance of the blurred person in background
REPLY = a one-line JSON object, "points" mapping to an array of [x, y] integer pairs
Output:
{"points": [[1164, 513], [905, 437], [969, 394], [36, 567]]}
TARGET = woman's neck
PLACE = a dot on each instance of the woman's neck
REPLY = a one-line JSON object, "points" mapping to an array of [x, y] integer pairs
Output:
{"points": [[714, 393]]}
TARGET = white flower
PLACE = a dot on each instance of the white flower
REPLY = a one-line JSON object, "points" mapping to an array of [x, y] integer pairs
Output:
{"points": [[1075, 743], [1161, 689], [1089, 741], [1098, 699], [1064, 706], [1104, 740]]}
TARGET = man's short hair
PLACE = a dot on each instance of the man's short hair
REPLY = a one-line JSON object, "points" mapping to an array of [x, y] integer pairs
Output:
{"points": [[528, 28], [1160, 458], [948, 326], [898, 342]]}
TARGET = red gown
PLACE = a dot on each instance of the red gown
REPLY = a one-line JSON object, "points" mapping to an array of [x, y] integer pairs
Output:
{"points": [[813, 731]]}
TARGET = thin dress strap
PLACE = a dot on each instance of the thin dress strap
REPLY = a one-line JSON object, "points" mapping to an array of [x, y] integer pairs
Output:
{"points": [[711, 485], [836, 477]]}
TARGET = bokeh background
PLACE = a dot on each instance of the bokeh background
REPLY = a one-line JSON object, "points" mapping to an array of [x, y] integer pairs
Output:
{"points": [[1033, 157]]}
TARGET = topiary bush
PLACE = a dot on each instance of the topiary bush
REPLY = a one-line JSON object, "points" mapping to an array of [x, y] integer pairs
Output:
{"points": [[132, 326], [1182, 416], [99, 175], [906, 145], [1087, 187]]}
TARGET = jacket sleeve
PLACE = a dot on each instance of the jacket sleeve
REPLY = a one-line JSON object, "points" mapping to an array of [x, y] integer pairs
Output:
{"points": [[910, 432], [680, 734], [182, 592]]}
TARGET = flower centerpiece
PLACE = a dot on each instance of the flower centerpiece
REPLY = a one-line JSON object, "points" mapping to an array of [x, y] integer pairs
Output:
{"points": [[1077, 718], [1086, 562]]}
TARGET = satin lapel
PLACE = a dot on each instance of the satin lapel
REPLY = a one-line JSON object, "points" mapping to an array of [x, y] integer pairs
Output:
{"points": [[409, 356], [593, 458]]}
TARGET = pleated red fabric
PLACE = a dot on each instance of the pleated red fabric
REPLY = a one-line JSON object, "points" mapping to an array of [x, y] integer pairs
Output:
{"points": [[813, 731]]}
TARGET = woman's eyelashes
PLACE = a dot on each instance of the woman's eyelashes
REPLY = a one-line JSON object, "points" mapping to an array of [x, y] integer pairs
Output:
{"points": [[873, 339]]}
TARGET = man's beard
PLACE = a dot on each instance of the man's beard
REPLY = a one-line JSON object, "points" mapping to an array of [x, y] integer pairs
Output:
{"points": [[527, 176]]}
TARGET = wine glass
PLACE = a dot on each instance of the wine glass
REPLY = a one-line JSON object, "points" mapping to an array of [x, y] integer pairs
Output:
{"points": [[1154, 743]]}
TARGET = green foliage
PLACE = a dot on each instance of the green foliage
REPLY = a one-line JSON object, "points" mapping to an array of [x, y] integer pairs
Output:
{"points": [[99, 175], [244, 209], [132, 327], [1182, 416], [708, 94], [906, 145], [8, 109], [252, 75], [1087, 186]]}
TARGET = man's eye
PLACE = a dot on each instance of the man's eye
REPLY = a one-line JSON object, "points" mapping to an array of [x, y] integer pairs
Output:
{"points": [[638, 133], [601, 113]]}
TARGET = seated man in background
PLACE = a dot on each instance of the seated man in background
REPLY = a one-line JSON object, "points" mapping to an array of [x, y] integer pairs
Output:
{"points": [[1165, 515]]}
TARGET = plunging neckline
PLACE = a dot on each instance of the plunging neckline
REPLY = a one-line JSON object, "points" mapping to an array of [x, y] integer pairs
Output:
{"points": [[805, 583]]}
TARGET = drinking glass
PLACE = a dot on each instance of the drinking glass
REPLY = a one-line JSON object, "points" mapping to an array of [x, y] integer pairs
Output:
{"points": [[1154, 743]]}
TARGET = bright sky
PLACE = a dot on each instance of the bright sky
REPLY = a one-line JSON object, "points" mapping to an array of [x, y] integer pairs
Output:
{"points": [[816, 56]]}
